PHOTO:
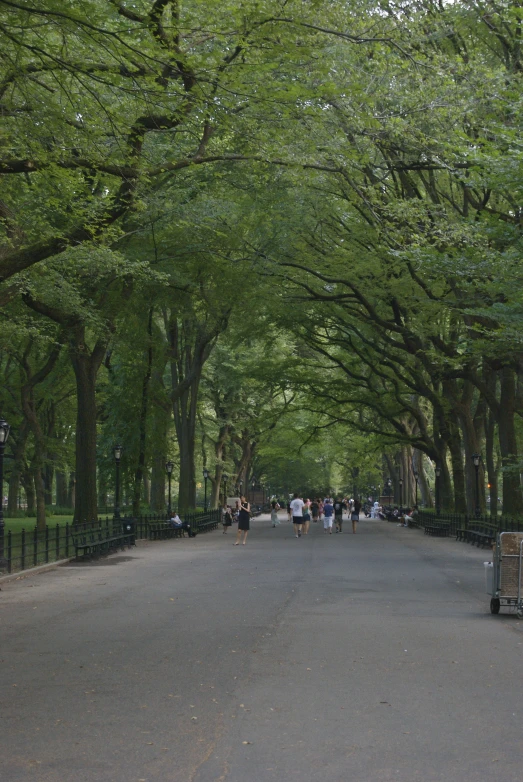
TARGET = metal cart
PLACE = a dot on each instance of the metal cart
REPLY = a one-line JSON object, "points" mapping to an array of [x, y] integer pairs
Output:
{"points": [[504, 575]]}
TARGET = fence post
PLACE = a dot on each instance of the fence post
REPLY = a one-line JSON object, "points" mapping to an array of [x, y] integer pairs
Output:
{"points": [[46, 544], [22, 551], [9, 550], [35, 547]]}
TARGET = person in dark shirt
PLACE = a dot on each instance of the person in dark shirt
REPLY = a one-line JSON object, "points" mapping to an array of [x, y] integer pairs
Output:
{"points": [[338, 513], [328, 513], [355, 515]]}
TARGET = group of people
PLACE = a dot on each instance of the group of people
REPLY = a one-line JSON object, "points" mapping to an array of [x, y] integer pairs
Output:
{"points": [[328, 511], [402, 515]]}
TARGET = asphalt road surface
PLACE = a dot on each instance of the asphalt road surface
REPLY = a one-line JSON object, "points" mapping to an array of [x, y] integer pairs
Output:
{"points": [[365, 657]]}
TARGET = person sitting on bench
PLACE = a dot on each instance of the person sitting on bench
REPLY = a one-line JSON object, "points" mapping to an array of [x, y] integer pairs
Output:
{"points": [[177, 523]]}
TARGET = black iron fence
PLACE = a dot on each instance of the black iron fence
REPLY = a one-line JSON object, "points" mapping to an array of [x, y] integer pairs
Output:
{"points": [[31, 548], [457, 521]]}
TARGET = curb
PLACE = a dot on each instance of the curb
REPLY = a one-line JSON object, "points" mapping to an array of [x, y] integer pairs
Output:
{"points": [[34, 571]]}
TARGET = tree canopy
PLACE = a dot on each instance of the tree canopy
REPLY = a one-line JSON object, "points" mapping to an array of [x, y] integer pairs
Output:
{"points": [[279, 241]]}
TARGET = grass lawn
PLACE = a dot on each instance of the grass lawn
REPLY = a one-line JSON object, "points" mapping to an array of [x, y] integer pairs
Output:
{"points": [[17, 525]]}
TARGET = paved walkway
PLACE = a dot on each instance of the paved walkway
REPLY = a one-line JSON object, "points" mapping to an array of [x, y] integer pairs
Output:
{"points": [[365, 657]]}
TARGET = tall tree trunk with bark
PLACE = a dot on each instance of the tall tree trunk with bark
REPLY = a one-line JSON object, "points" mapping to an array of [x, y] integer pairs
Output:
{"points": [[17, 469], [61, 489], [86, 365], [140, 467], [512, 495]]}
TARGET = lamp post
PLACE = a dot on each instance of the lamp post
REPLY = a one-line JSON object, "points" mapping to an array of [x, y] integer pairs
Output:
{"points": [[169, 466], [401, 491], [416, 476], [253, 486], [379, 493], [389, 488], [437, 472], [476, 458], [225, 478], [4, 434], [205, 477], [117, 450]]}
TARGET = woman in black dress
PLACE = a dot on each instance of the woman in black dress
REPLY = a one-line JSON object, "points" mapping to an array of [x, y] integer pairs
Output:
{"points": [[244, 518]]}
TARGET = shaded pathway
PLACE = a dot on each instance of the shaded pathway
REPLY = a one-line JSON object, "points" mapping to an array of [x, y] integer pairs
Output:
{"points": [[368, 657]]}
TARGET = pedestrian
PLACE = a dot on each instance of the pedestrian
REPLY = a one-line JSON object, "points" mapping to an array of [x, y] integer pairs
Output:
{"points": [[355, 514], [297, 514], [315, 510], [274, 513], [244, 518], [306, 517], [338, 514], [226, 518], [289, 511], [328, 513]]}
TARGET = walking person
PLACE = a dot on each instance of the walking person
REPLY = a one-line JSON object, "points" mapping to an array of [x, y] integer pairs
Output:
{"points": [[244, 519], [315, 510], [226, 518], [355, 515], [289, 511], [328, 514], [297, 514], [338, 514], [306, 517], [274, 513]]}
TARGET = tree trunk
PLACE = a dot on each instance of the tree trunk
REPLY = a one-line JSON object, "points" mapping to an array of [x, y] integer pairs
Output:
{"points": [[512, 496], [140, 468], [48, 483], [185, 422], [61, 489], [28, 484], [85, 368], [40, 495], [17, 469], [471, 445], [71, 491]]}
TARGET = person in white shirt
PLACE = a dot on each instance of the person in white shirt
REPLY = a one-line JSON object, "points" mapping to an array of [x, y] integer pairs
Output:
{"points": [[297, 514]]}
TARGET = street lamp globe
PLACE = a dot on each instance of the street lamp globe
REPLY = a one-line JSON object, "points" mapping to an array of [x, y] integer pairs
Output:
{"points": [[117, 450], [205, 473], [4, 431], [169, 467], [476, 458]]}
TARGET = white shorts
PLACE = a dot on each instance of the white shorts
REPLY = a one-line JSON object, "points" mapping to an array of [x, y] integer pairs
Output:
{"points": [[327, 522]]}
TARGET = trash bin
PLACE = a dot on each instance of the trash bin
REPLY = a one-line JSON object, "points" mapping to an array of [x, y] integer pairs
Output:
{"points": [[128, 528], [489, 577]]}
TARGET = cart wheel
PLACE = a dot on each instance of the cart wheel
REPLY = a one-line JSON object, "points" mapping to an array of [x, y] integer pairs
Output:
{"points": [[494, 605], [519, 613]]}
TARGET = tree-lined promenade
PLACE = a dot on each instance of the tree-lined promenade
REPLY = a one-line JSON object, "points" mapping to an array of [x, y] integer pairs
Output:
{"points": [[279, 243]]}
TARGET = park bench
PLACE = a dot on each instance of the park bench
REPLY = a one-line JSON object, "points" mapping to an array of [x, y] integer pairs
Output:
{"points": [[90, 540], [478, 535], [205, 525], [437, 530], [163, 530]]}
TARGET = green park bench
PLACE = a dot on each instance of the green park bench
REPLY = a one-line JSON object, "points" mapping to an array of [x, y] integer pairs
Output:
{"points": [[96, 539]]}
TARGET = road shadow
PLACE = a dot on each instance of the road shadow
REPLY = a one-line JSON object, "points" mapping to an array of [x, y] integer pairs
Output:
{"points": [[105, 562]]}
